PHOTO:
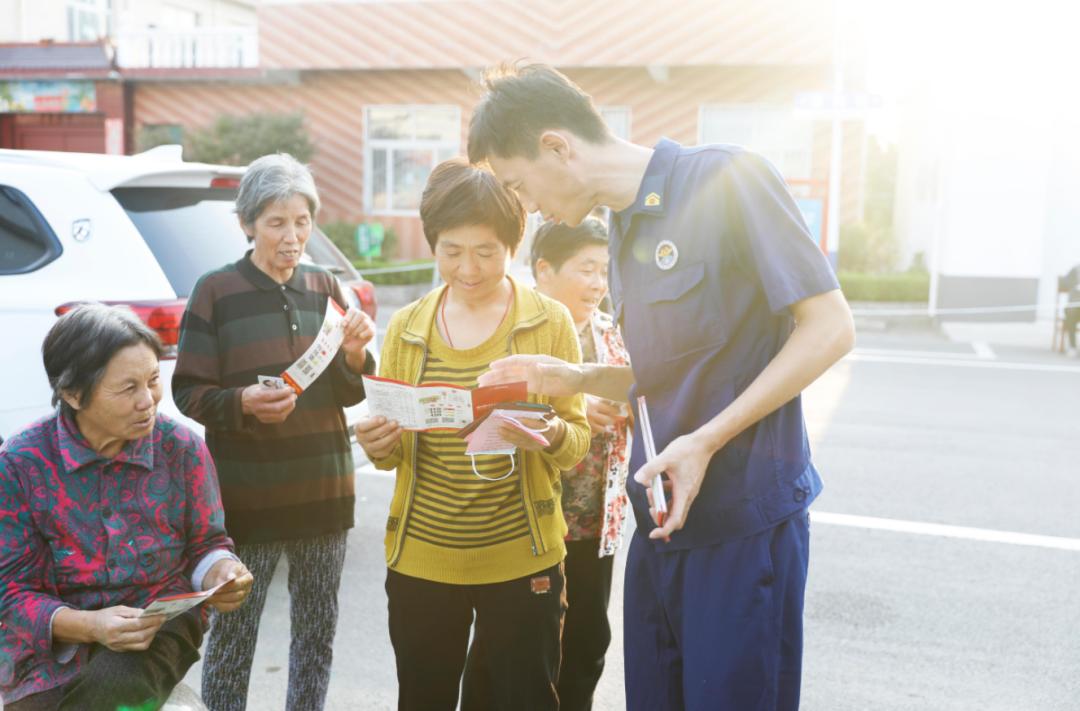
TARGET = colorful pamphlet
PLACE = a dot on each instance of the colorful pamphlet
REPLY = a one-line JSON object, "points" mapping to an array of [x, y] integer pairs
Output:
{"points": [[435, 406], [174, 605], [301, 374]]}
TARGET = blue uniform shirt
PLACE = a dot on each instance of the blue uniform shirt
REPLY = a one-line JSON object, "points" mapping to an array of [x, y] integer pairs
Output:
{"points": [[704, 266]]}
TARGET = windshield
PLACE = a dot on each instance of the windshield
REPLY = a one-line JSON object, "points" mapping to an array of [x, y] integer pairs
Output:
{"points": [[193, 230], [189, 230]]}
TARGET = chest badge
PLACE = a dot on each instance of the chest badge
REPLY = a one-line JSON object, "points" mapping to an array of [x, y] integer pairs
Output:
{"points": [[667, 254], [652, 200]]}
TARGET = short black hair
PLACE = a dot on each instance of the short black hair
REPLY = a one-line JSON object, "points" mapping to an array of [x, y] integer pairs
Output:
{"points": [[78, 348], [555, 242], [458, 194], [520, 102]]}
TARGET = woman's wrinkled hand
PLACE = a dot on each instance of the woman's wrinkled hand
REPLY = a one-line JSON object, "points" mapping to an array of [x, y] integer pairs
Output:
{"points": [[122, 630], [604, 416], [359, 331], [268, 405], [238, 581], [378, 436]]}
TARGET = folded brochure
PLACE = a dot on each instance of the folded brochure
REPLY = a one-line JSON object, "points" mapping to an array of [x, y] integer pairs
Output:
{"points": [[435, 406], [173, 605]]}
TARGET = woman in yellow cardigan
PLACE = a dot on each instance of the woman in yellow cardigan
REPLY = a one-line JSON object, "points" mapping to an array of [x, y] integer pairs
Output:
{"points": [[475, 539]]}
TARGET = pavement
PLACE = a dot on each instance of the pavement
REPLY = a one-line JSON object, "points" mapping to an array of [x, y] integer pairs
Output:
{"points": [[945, 557]]}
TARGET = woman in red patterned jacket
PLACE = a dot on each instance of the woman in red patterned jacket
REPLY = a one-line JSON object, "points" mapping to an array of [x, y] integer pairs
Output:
{"points": [[570, 265], [105, 506]]}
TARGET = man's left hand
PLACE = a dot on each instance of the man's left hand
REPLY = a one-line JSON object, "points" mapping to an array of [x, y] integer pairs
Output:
{"points": [[359, 331], [684, 461], [232, 595]]}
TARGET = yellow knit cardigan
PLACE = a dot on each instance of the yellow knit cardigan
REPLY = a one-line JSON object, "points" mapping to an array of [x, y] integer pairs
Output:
{"points": [[542, 325]]}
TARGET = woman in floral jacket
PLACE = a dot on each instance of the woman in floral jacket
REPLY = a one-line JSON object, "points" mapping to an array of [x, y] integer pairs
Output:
{"points": [[570, 265]]}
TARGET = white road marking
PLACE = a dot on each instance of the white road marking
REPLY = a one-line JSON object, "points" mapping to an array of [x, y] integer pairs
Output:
{"points": [[899, 352], [920, 528], [946, 531], [983, 350], [968, 362]]}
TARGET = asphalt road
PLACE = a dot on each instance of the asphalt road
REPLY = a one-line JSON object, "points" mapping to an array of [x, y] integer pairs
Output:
{"points": [[910, 432]]}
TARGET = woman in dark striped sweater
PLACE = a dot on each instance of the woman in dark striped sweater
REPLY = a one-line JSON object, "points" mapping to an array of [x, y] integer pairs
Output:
{"points": [[284, 461]]}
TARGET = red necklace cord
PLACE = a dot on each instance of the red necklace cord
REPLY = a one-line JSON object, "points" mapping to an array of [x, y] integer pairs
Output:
{"points": [[442, 314]]}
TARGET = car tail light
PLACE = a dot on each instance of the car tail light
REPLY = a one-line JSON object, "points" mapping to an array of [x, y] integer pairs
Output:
{"points": [[365, 291], [232, 183], [162, 316]]}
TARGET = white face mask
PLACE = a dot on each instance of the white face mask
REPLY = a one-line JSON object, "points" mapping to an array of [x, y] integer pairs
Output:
{"points": [[497, 451], [513, 464]]}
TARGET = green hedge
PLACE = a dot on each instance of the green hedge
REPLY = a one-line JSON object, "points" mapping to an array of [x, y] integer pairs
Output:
{"points": [[414, 276], [907, 286]]}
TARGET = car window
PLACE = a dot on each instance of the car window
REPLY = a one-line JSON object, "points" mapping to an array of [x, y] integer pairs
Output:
{"points": [[189, 230], [326, 254], [26, 240]]}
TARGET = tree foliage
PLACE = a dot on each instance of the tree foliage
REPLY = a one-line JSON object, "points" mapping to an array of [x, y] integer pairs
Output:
{"points": [[238, 140]]}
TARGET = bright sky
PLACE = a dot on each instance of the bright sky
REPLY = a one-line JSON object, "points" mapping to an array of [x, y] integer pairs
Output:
{"points": [[965, 56]]}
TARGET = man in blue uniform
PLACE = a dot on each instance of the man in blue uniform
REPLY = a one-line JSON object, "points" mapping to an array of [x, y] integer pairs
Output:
{"points": [[729, 311]]}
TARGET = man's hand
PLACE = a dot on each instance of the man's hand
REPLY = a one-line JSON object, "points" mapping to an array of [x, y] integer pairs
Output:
{"points": [[122, 630], [546, 375], [359, 330], [684, 461], [268, 405], [378, 436], [604, 415], [232, 595]]}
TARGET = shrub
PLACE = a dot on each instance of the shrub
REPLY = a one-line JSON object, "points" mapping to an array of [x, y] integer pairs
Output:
{"points": [[238, 140], [908, 286], [343, 234], [867, 248], [413, 276], [153, 135]]}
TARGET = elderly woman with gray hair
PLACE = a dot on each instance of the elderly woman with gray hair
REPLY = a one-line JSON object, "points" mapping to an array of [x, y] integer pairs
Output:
{"points": [[105, 506], [284, 459]]}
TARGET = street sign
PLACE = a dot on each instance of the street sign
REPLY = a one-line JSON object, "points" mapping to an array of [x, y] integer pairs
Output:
{"points": [[369, 239]]}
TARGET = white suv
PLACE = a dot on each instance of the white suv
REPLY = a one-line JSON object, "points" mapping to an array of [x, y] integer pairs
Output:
{"points": [[136, 230]]}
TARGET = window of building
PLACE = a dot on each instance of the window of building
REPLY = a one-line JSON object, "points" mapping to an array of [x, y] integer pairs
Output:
{"points": [[88, 20], [618, 120], [26, 240], [772, 131], [402, 145]]}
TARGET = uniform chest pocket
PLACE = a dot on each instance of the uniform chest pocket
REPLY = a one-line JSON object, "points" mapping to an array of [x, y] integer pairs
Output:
{"points": [[680, 315]]}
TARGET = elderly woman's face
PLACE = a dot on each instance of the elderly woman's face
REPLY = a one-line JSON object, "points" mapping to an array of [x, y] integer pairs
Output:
{"points": [[124, 403], [280, 233]]}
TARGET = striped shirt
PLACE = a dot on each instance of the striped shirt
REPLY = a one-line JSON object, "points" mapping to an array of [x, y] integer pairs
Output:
{"points": [[278, 481], [462, 527]]}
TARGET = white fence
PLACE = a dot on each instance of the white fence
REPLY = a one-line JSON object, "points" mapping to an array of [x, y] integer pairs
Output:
{"points": [[200, 47]]}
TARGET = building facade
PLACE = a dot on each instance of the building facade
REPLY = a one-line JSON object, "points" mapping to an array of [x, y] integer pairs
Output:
{"points": [[66, 65], [386, 89]]}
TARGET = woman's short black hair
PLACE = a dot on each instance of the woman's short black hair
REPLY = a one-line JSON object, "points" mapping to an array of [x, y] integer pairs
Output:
{"points": [[460, 195], [79, 346], [555, 242]]}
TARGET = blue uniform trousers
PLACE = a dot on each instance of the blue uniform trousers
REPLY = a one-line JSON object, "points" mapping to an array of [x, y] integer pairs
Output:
{"points": [[717, 627]]}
